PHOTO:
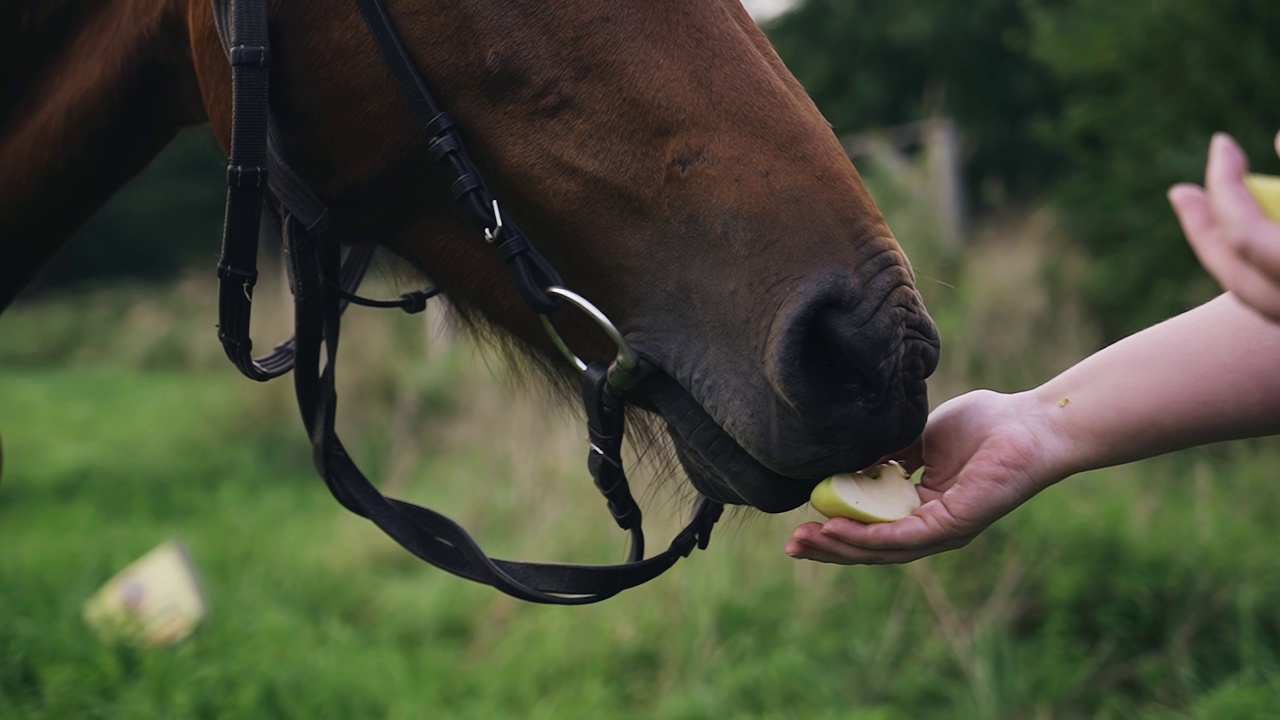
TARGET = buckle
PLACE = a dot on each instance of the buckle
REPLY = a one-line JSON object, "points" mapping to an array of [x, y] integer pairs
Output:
{"points": [[238, 174], [258, 55]]}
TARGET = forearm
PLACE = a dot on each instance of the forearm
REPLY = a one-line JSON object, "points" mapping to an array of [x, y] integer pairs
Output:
{"points": [[1210, 374]]}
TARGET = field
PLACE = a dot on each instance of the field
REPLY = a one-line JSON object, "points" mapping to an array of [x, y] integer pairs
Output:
{"points": [[1150, 591]]}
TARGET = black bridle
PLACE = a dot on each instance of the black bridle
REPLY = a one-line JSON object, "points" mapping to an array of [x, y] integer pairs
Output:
{"points": [[323, 283]]}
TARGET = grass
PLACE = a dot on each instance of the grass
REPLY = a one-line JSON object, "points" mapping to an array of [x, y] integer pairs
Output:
{"points": [[1150, 591]]}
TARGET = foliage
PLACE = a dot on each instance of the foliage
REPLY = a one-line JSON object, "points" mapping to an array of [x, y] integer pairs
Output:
{"points": [[869, 64], [1102, 105], [1146, 84]]}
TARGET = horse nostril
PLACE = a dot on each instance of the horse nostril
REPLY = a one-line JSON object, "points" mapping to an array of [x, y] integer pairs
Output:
{"points": [[833, 361], [846, 360], [840, 352]]}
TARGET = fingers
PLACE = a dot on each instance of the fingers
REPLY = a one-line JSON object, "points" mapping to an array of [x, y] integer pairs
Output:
{"points": [[929, 531], [1256, 290], [1228, 232], [1258, 244], [1235, 211], [1224, 181], [1191, 206], [810, 542]]}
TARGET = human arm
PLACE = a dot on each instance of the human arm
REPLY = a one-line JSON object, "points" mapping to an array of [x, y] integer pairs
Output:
{"points": [[1228, 231], [1203, 376]]}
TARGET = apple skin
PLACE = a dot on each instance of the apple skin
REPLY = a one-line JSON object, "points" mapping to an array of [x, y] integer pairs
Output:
{"points": [[1266, 190], [881, 494]]}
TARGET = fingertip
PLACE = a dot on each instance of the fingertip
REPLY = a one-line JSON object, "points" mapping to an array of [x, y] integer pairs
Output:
{"points": [[1181, 191], [804, 528], [1226, 160], [807, 533], [1191, 206], [1224, 143], [1216, 142]]}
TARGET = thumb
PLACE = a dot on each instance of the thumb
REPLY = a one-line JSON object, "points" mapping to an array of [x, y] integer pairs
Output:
{"points": [[911, 456]]}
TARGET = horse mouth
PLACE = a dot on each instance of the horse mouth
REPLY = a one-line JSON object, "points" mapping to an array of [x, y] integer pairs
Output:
{"points": [[717, 465], [743, 444]]}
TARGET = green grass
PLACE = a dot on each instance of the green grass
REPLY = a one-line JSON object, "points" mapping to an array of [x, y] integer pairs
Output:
{"points": [[1151, 591]]}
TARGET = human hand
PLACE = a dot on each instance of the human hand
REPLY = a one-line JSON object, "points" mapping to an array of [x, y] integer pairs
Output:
{"points": [[984, 454], [1226, 228]]}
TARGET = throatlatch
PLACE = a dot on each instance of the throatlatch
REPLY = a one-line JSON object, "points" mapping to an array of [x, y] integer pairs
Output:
{"points": [[323, 284]]}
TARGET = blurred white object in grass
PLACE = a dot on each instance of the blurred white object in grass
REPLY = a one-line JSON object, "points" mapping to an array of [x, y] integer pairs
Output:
{"points": [[155, 601]]}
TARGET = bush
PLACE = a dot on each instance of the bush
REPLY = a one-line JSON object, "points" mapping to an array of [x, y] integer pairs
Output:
{"points": [[1146, 84], [869, 63]]}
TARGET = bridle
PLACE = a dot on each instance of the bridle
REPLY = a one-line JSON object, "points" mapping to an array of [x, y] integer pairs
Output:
{"points": [[323, 283]]}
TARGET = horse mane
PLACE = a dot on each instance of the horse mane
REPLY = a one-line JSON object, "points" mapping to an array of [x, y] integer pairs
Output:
{"points": [[557, 386]]}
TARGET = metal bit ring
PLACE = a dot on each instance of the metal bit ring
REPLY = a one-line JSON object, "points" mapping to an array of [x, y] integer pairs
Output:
{"points": [[622, 370]]}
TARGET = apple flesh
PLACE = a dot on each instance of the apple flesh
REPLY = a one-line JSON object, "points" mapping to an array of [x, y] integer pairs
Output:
{"points": [[1266, 190], [881, 494]]}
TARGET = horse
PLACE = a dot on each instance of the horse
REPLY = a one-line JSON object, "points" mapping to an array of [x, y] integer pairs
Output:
{"points": [[660, 155]]}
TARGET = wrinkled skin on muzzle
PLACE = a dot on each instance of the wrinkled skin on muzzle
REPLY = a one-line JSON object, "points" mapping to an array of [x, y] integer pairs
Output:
{"points": [[813, 373]]}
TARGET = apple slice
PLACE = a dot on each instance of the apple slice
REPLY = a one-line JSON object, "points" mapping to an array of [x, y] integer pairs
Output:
{"points": [[880, 494], [1266, 190]]}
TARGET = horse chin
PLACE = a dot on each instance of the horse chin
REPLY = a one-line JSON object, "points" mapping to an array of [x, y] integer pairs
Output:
{"points": [[717, 466]]}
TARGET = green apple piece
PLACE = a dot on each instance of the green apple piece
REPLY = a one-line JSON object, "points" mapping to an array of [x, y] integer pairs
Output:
{"points": [[881, 494], [1266, 190]]}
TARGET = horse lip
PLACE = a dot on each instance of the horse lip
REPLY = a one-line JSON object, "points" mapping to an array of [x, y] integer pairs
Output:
{"points": [[730, 474]]}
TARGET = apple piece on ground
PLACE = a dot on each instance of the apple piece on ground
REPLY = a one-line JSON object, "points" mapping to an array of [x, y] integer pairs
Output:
{"points": [[1266, 190], [881, 494]]}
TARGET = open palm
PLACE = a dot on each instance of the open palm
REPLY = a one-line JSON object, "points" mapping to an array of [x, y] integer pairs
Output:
{"points": [[982, 458]]}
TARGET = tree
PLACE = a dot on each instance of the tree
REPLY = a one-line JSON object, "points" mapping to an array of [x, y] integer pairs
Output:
{"points": [[869, 63]]}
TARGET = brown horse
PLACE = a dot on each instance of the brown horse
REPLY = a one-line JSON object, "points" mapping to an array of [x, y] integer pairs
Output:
{"points": [[659, 153]]}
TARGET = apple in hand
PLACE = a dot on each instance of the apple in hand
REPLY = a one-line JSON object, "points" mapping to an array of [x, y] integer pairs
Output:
{"points": [[1266, 190], [880, 494]]}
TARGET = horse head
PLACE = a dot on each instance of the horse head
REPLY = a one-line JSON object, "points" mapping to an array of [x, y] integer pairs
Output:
{"points": [[664, 160]]}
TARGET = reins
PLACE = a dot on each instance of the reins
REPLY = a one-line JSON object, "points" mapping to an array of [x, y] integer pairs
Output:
{"points": [[323, 284]]}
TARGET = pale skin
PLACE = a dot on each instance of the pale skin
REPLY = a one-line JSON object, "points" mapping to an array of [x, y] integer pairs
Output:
{"points": [[1234, 241], [1160, 390]]}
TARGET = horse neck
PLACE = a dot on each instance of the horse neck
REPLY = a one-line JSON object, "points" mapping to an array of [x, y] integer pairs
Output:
{"points": [[109, 84]]}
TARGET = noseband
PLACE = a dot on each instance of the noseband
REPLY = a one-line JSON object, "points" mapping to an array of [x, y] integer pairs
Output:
{"points": [[323, 284]]}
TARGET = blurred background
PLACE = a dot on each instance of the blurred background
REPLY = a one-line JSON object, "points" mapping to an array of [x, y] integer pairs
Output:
{"points": [[1020, 150]]}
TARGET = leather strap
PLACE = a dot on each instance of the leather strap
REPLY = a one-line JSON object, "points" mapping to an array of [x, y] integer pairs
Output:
{"points": [[432, 536], [314, 263], [249, 51], [529, 268], [258, 163]]}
